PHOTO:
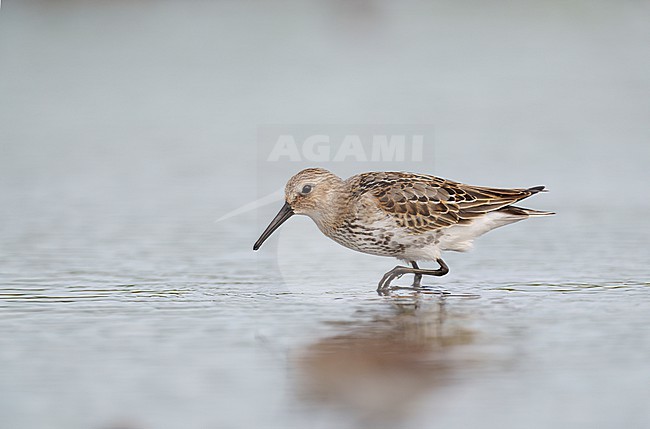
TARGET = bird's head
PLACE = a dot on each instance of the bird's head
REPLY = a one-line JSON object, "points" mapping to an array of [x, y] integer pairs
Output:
{"points": [[309, 193]]}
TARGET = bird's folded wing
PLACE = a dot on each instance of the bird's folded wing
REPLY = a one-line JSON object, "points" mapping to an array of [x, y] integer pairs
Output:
{"points": [[424, 203]]}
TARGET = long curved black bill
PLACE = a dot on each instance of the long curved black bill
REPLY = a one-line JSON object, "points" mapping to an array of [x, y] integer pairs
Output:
{"points": [[285, 213]]}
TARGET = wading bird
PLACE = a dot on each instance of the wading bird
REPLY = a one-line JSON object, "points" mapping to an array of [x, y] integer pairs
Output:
{"points": [[412, 217]]}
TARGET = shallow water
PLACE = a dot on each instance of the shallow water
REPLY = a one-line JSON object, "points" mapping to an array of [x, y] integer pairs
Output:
{"points": [[123, 304]]}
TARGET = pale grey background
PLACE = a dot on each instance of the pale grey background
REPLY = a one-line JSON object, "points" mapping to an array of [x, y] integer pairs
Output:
{"points": [[127, 128]]}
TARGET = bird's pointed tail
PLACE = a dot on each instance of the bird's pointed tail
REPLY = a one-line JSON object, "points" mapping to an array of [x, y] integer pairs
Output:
{"points": [[521, 211]]}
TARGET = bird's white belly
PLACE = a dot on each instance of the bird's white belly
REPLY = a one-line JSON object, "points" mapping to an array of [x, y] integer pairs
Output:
{"points": [[460, 238], [383, 237]]}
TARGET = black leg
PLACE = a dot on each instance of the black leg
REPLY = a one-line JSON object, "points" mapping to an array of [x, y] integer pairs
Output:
{"points": [[399, 271], [417, 280]]}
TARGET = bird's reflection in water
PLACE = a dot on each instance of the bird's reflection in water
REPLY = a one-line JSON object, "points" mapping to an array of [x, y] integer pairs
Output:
{"points": [[379, 368]]}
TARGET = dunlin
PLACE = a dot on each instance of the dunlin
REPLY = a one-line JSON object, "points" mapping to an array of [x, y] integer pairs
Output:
{"points": [[412, 217]]}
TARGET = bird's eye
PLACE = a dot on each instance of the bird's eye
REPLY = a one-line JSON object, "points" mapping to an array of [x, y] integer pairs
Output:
{"points": [[306, 189]]}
